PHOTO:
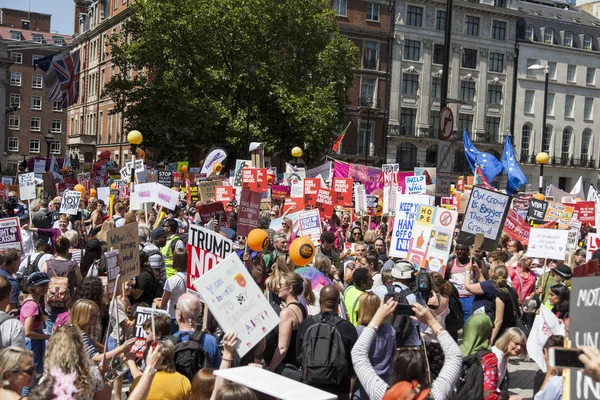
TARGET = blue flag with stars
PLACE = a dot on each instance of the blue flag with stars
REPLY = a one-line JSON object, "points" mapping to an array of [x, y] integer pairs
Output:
{"points": [[516, 178], [490, 166]]}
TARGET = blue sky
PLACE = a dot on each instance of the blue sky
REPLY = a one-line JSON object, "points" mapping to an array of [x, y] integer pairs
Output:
{"points": [[62, 11]]}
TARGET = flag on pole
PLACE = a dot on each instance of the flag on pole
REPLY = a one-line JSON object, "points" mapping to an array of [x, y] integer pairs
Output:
{"points": [[67, 161], [61, 76], [339, 139], [484, 182], [516, 178], [490, 166], [577, 190], [55, 169]]}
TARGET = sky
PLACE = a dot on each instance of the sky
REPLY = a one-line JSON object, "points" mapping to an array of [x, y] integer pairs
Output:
{"points": [[62, 11]]}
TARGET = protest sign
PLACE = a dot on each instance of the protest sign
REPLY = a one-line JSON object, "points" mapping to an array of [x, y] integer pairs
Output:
{"points": [[415, 184], [142, 314], [255, 179], [27, 186], [406, 213], [544, 325], [207, 190], [342, 187], [593, 244], [165, 178], [248, 212], [547, 243], [126, 240], [431, 238], [325, 202], [558, 213], [516, 227], [586, 212], [239, 166], [537, 211], [280, 192], [360, 199], [297, 190], [145, 192], [205, 249], [112, 270], [209, 211], [103, 193], [485, 213], [10, 234], [39, 166], [311, 188], [224, 194], [589, 268], [293, 204], [310, 225], [70, 202], [237, 303], [572, 239], [165, 196], [390, 174], [390, 194], [371, 202], [194, 192]]}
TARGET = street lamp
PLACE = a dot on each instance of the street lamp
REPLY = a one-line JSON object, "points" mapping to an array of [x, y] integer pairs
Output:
{"points": [[542, 159], [135, 139], [296, 153], [540, 67], [49, 138]]}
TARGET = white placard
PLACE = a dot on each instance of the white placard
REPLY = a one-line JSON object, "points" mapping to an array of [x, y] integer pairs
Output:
{"points": [[593, 244], [544, 325], [360, 199], [548, 243], [237, 302], [406, 213], [27, 186], [134, 202], [415, 184], [103, 193], [70, 202], [146, 192], [309, 223], [39, 166], [297, 190], [166, 197]]}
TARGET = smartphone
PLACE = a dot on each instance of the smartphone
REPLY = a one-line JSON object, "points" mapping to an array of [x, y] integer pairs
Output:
{"points": [[401, 309], [565, 358]]}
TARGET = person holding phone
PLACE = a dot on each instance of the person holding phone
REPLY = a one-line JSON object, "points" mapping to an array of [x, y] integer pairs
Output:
{"points": [[552, 386]]}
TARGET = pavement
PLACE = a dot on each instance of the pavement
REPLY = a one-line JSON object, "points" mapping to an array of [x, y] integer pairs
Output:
{"points": [[520, 378]]}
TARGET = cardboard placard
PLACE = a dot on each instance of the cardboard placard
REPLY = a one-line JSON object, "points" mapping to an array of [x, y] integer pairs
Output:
{"points": [[142, 314], [360, 199], [209, 211], [342, 187], [558, 213], [311, 189], [27, 186], [593, 244], [415, 184], [126, 240], [70, 202], [165, 178], [224, 194], [248, 212], [205, 249], [325, 202], [165, 196], [293, 204], [207, 190], [112, 270]]}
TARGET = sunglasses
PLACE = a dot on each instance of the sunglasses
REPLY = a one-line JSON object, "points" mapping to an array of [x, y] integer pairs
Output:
{"points": [[241, 238], [273, 215], [284, 225], [28, 371]]}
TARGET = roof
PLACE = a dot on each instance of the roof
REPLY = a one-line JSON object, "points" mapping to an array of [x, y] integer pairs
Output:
{"points": [[27, 35], [558, 11]]}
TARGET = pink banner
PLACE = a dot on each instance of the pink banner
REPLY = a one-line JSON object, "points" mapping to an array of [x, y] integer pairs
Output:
{"points": [[370, 177]]}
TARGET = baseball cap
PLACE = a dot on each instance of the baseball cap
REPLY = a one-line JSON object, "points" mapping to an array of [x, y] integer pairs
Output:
{"points": [[563, 271], [37, 278], [389, 264], [403, 269], [157, 233]]}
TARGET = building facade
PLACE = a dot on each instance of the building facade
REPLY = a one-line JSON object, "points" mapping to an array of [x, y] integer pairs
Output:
{"points": [[479, 86], [34, 126], [567, 42]]}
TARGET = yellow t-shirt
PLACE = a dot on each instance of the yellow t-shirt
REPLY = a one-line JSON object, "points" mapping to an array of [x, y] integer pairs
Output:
{"points": [[167, 386]]}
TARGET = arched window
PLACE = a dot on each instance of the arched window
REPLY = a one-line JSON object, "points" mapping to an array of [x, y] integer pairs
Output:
{"points": [[547, 139], [406, 156], [568, 39], [548, 36], [460, 161], [431, 156], [565, 146], [587, 42], [586, 137], [525, 142]]}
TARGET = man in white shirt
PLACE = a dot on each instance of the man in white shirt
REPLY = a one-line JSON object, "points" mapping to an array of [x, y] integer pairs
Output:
{"points": [[11, 330]]}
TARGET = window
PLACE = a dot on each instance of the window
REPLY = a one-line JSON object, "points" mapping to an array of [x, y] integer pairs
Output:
{"points": [[467, 91], [568, 39], [15, 35], [14, 122], [569, 100], [13, 144], [56, 106], [588, 108], [528, 103], [469, 58], [34, 146], [529, 32], [412, 50], [408, 120], [35, 57], [410, 83], [365, 136], [56, 126], [414, 16], [551, 70], [440, 20], [587, 42], [571, 72], [434, 125], [37, 38], [367, 90], [15, 78], [36, 81], [499, 30], [340, 6], [15, 100], [550, 104], [460, 161], [373, 12], [586, 137], [436, 88], [370, 55], [492, 128], [496, 63], [35, 125], [17, 57], [525, 141], [36, 103], [546, 139], [472, 25], [531, 72], [438, 54], [590, 75], [58, 41], [55, 147], [465, 121], [406, 156], [494, 94], [548, 36], [566, 144]]}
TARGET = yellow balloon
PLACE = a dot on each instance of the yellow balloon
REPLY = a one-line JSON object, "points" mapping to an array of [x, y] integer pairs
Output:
{"points": [[539, 196], [134, 137], [302, 251], [297, 152]]}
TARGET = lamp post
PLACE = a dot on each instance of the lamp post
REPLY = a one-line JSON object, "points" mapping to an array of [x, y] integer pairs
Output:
{"points": [[134, 138], [542, 159], [49, 138], [251, 67], [296, 153], [540, 67], [368, 103]]}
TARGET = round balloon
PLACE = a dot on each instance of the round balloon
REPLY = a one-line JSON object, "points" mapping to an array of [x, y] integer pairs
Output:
{"points": [[302, 251], [113, 185], [93, 193], [80, 188], [258, 239], [217, 167], [539, 196], [183, 169]]}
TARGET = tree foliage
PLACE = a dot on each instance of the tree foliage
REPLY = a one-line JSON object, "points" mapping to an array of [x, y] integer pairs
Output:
{"points": [[205, 68]]}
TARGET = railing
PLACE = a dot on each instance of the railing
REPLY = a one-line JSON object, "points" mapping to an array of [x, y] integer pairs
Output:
{"points": [[368, 102], [397, 130], [563, 161], [486, 137]]}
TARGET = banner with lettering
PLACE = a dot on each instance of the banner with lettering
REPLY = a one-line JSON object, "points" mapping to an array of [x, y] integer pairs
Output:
{"points": [[369, 176], [516, 227], [126, 240], [406, 214], [325, 202], [248, 212], [342, 187], [205, 249], [311, 188]]}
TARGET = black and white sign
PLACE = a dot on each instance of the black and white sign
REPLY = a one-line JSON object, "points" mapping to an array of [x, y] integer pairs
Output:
{"points": [[70, 202], [142, 314], [165, 178], [27, 186]]}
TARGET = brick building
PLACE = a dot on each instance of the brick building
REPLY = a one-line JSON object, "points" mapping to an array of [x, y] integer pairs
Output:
{"points": [[29, 116]]}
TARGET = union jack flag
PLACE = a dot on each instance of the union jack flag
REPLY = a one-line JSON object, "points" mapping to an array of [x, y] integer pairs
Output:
{"points": [[61, 77]]}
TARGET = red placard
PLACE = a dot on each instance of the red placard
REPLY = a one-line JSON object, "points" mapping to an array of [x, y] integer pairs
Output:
{"points": [[211, 210], [516, 227], [280, 191], [311, 188], [589, 268], [261, 180], [248, 212], [249, 179], [325, 202], [342, 187], [224, 194], [293, 204], [586, 212]]}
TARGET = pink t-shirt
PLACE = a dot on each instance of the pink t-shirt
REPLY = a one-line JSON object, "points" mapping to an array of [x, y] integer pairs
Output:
{"points": [[30, 309], [528, 283], [457, 278]]}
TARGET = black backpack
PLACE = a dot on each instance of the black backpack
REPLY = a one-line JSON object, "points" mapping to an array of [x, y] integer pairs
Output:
{"points": [[402, 324], [324, 360], [455, 319], [190, 356], [30, 269], [470, 383]]}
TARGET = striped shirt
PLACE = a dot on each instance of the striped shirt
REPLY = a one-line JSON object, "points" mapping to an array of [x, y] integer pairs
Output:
{"points": [[88, 343], [376, 387]]}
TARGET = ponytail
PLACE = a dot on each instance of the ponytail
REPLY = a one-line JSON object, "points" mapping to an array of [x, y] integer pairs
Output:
{"points": [[309, 295]]}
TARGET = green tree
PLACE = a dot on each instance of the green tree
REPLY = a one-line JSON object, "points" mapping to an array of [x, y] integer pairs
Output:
{"points": [[204, 69]]}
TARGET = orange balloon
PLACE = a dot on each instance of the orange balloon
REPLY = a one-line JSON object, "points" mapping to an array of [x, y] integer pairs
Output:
{"points": [[217, 168], [175, 189], [80, 188], [93, 192], [270, 179], [539, 196], [302, 251], [258, 239], [113, 185], [183, 169], [140, 153]]}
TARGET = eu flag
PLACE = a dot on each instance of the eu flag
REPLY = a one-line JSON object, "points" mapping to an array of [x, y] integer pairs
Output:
{"points": [[516, 178], [490, 166]]}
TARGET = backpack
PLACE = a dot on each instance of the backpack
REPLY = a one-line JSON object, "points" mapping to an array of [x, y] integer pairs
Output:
{"points": [[58, 288], [29, 269], [190, 356], [470, 383], [402, 324], [455, 319], [324, 360]]}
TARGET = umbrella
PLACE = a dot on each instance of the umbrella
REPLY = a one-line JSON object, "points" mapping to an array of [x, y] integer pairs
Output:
{"points": [[317, 278]]}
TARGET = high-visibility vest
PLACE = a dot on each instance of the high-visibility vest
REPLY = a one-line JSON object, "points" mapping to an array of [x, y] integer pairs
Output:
{"points": [[167, 252]]}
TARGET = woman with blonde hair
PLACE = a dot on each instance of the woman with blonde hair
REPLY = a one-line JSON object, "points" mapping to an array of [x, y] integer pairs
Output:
{"points": [[369, 238], [324, 265], [282, 266], [287, 227], [16, 372], [512, 343], [106, 226]]}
